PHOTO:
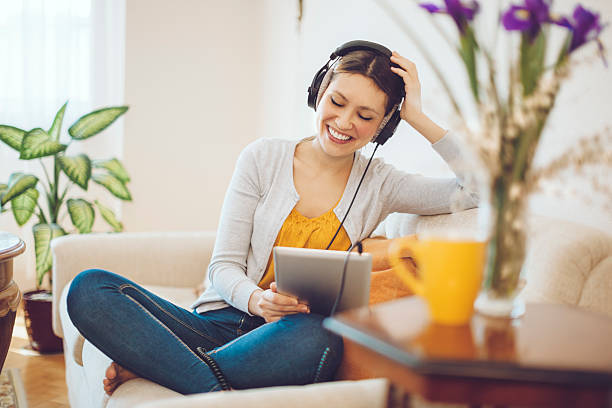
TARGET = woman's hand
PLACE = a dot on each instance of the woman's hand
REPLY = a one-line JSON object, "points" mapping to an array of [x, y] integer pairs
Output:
{"points": [[272, 305], [411, 108]]}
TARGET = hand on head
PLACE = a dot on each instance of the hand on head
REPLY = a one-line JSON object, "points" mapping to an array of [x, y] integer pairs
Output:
{"points": [[411, 108], [272, 305]]}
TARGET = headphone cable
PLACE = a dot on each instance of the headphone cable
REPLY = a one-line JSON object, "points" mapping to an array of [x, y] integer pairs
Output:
{"points": [[359, 246], [353, 200]]}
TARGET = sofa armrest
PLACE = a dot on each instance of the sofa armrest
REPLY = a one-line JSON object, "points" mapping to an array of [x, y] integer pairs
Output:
{"points": [[165, 259], [351, 394], [568, 263]]}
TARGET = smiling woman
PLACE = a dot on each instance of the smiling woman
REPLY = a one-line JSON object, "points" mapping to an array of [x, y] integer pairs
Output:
{"points": [[282, 193]]}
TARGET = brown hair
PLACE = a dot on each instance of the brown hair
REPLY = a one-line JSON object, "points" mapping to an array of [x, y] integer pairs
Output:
{"points": [[377, 68]]}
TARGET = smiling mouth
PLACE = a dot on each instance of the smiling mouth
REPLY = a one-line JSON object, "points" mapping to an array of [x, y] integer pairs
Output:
{"points": [[337, 137]]}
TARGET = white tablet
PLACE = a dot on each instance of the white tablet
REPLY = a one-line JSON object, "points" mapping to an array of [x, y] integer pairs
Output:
{"points": [[315, 276]]}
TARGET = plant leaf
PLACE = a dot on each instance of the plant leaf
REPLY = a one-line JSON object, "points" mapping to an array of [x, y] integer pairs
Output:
{"points": [[23, 206], [115, 168], [468, 55], [95, 122], [82, 214], [3, 189], [37, 143], [109, 217], [12, 136], [56, 127], [43, 234], [77, 168], [18, 184], [532, 61], [114, 185]]}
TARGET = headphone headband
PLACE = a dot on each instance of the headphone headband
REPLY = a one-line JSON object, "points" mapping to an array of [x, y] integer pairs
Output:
{"points": [[359, 45]]}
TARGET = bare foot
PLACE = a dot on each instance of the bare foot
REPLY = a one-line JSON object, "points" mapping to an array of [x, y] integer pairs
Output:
{"points": [[115, 376]]}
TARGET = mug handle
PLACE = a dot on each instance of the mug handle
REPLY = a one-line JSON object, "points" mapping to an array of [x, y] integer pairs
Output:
{"points": [[415, 284]]}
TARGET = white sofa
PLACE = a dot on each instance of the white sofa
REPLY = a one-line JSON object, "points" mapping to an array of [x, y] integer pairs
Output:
{"points": [[566, 263]]}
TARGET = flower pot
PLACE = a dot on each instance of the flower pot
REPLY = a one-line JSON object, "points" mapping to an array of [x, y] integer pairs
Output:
{"points": [[38, 317]]}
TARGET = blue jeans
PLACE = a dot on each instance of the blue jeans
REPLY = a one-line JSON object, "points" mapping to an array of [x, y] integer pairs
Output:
{"points": [[159, 341]]}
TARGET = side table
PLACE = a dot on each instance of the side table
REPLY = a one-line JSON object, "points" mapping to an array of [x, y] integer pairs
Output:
{"points": [[10, 296], [554, 356]]}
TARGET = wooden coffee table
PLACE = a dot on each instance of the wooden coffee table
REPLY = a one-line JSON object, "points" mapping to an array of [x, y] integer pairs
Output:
{"points": [[10, 247], [555, 355]]}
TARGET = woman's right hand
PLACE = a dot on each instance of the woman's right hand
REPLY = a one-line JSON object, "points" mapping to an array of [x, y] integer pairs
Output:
{"points": [[272, 305]]}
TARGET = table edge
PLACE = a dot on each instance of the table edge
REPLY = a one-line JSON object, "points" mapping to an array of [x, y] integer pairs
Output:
{"points": [[13, 251], [473, 369]]}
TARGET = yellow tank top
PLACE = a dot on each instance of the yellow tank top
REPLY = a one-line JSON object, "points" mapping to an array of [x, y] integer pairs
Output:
{"points": [[299, 231]]}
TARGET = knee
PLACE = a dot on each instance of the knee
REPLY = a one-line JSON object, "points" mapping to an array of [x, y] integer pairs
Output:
{"points": [[84, 289], [324, 349], [318, 339]]}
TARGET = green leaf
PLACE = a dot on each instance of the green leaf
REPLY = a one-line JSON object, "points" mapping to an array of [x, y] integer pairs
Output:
{"points": [[12, 136], [115, 168], [56, 127], [77, 168], [82, 214], [114, 185], [3, 189], [23, 206], [532, 61], [468, 55], [43, 234], [37, 143], [95, 122], [109, 217], [18, 184]]}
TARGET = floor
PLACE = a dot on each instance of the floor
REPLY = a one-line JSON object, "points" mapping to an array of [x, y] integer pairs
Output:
{"points": [[43, 375]]}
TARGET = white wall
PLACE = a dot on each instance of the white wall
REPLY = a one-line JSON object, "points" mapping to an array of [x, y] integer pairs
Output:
{"points": [[192, 83]]}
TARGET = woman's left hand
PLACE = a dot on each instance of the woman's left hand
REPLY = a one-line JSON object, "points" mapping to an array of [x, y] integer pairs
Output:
{"points": [[411, 108]]}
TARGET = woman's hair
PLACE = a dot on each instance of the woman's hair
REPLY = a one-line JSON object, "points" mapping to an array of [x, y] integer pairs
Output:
{"points": [[377, 68]]}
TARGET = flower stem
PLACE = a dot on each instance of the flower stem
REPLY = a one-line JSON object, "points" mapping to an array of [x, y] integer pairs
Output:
{"points": [[395, 17]]}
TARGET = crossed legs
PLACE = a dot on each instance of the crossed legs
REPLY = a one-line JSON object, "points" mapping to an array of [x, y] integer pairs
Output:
{"points": [[150, 337]]}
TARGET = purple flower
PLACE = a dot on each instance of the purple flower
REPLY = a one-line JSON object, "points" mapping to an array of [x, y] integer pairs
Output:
{"points": [[527, 18], [461, 13], [585, 27]]}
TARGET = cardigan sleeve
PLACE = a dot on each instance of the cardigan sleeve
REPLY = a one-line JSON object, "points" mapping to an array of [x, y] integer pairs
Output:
{"points": [[417, 194], [227, 269]]}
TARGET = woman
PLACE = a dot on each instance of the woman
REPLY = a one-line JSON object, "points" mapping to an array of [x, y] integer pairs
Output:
{"points": [[242, 333]]}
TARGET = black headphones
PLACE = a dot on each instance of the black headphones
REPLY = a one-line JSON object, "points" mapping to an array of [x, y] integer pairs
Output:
{"points": [[393, 119]]}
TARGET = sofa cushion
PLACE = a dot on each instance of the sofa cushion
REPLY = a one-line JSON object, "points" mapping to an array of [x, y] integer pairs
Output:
{"points": [[180, 296], [355, 394], [138, 391], [95, 364], [399, 225], [73, 341], [568, 263]]}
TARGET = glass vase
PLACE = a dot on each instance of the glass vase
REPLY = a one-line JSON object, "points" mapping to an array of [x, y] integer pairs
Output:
{"points": [[506, 253]]}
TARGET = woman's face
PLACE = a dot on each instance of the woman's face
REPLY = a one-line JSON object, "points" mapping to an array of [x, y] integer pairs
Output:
{"points": [[349, 113]]}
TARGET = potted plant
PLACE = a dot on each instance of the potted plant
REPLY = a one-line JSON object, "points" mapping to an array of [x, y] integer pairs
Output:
{"points": [[25, 195]]}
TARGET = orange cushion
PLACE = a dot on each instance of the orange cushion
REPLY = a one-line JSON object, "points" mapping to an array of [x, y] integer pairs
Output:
{"points": [[385, 285]]}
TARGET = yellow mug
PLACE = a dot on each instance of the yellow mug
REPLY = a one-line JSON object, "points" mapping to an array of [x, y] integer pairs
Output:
{"points": [[450, 275]]}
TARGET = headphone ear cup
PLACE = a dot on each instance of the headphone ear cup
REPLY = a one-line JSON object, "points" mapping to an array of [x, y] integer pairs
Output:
{"points": [[313, 89], [389, 129]]}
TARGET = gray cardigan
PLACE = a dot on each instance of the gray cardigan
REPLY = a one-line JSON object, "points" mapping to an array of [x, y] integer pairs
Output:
{"points": [[261, 195]]}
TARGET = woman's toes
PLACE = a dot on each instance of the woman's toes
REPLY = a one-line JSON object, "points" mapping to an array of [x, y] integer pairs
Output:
{"points": [[112, 370]]}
